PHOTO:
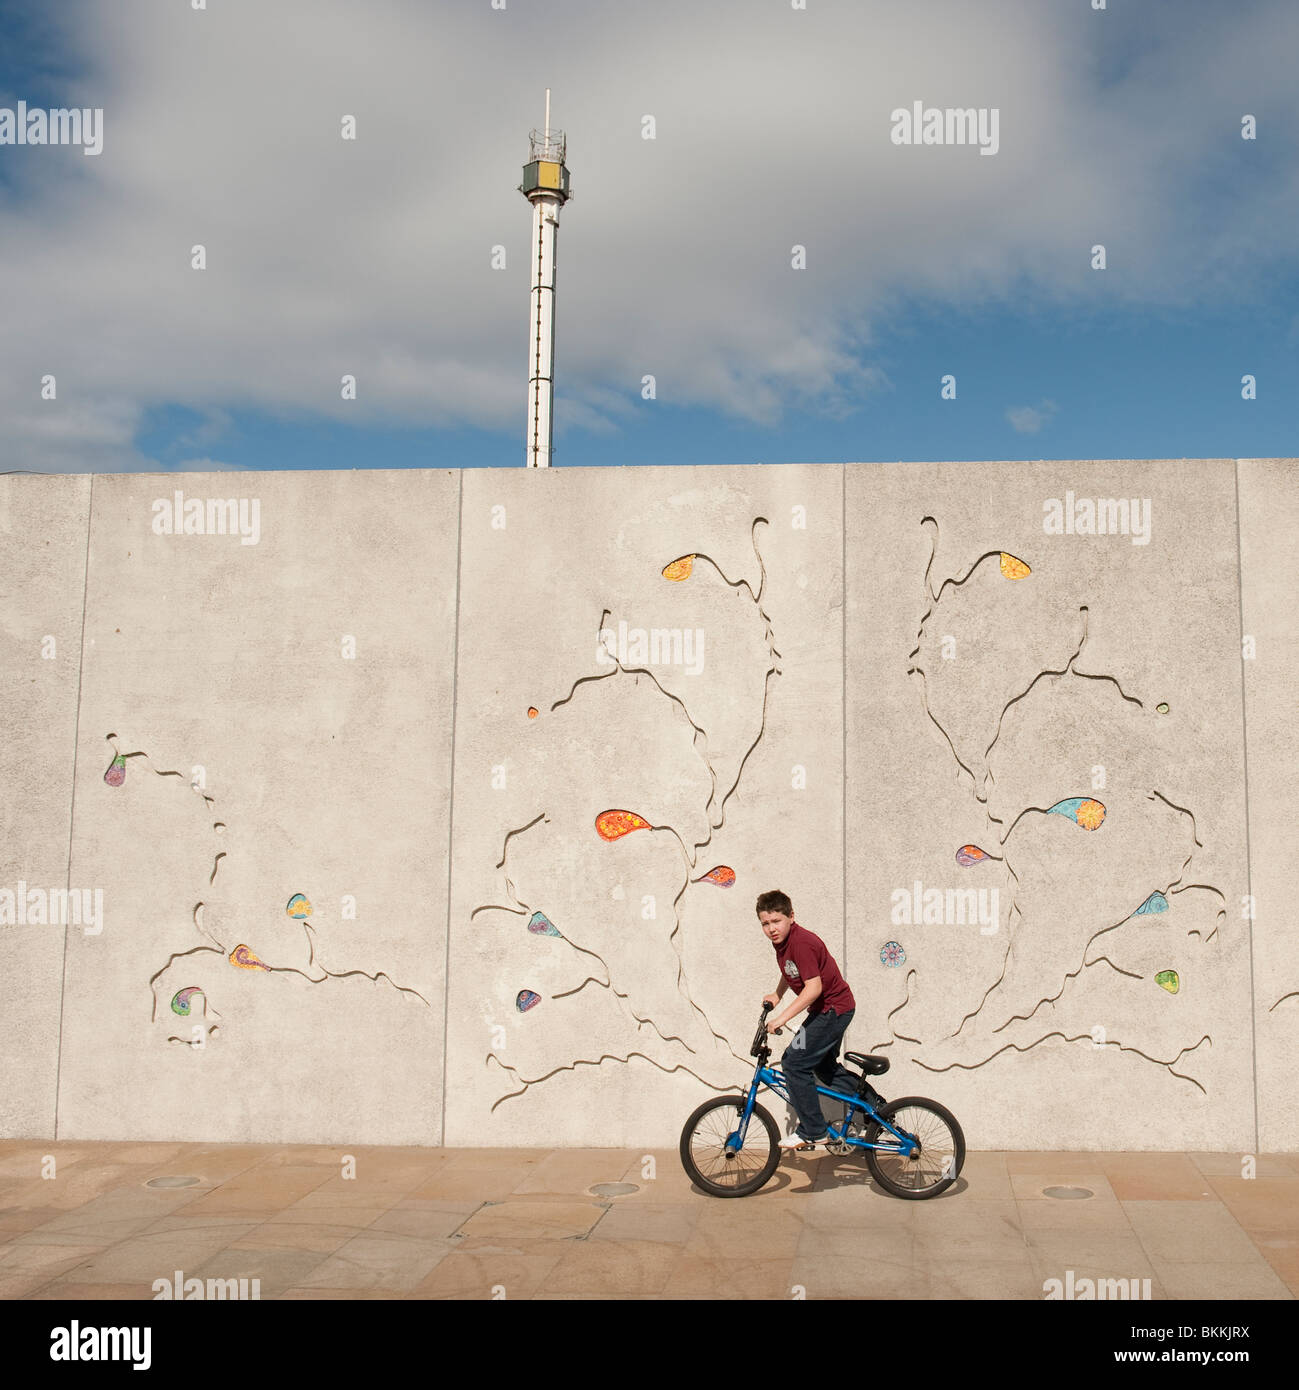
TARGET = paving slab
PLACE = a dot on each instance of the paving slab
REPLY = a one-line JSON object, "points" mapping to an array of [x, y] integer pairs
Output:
{"points": [[304, 1231]]}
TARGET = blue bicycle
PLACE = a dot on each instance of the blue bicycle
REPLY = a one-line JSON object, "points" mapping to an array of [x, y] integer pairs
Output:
{"points": [[914, 1147]]}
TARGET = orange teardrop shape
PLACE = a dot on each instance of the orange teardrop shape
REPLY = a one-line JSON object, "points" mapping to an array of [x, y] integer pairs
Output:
{"points": [[1012, 568], [245, 960], [613, 825]]}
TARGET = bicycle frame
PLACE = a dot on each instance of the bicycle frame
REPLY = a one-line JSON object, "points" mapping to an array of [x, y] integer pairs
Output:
{"points": [[773, 1079]]}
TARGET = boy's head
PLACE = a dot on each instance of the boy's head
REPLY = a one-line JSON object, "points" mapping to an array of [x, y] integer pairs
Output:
{"points": [[775, 915]]}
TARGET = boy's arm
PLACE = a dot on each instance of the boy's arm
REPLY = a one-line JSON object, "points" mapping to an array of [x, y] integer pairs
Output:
{"points": [[774, 996], [811, 993]]}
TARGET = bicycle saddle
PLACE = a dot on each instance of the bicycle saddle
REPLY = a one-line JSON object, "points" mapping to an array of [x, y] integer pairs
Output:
{"points": [[871, 1066]]}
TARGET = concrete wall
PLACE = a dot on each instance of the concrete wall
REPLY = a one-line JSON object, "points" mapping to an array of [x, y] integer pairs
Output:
{"points": [[363, 764]]}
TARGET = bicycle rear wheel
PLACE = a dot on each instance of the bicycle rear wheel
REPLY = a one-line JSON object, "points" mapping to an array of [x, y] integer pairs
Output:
{"points": [[939, 1152], [705, 1156]]}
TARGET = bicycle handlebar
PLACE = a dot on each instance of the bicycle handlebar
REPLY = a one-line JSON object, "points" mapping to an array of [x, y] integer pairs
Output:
{"points": [[759, 1038]]}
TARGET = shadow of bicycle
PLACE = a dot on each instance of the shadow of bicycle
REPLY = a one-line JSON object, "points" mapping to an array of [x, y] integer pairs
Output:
{"points": [[834, 1173]]}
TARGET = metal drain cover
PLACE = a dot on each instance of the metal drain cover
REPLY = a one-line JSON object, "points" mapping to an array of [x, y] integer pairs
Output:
{"points": [[613, 1189], [172, 1182], [1068, 1194]]}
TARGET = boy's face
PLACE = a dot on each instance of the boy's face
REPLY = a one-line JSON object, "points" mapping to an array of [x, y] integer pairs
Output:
{"points": [[775, 926]]}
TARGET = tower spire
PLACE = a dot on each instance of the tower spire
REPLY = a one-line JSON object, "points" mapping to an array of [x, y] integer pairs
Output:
{"points": [[545, 186]]}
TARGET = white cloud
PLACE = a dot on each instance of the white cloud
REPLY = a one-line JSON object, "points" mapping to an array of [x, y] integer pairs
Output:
{"points": [[1029, 419], [373, 257]]}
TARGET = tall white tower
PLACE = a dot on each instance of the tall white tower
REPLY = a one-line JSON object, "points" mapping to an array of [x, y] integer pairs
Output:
{"points": [[545, 186]]}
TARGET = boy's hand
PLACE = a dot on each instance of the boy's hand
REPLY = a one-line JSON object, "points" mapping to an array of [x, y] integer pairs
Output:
{"points": [[772, 999]]}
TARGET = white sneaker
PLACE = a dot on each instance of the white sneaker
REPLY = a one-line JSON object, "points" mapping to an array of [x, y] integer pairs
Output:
{"points": [[796, 1141]]}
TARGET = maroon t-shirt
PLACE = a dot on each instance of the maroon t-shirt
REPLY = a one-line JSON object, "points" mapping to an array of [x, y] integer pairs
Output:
{"points": [[802, 957]]}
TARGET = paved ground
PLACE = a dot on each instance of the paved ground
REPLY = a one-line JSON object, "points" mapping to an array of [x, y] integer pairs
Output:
{"points": [[523, 1223]]}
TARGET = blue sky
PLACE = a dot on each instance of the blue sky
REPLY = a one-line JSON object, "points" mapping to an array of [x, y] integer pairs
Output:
{"points": [[1119, 127]]}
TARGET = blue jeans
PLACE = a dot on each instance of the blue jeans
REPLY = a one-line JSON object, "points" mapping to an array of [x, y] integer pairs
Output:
{"points": [[812, 1056]]}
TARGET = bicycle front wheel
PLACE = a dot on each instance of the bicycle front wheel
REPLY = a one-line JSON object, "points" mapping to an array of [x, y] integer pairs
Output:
{"points": [[935, 1161], [722, 1169]]}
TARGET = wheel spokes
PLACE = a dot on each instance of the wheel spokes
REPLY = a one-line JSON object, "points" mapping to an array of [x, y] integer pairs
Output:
{"points": [[709, 1153], [937, 1145]]}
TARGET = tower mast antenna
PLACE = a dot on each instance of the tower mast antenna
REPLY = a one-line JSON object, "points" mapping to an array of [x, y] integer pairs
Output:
{"points": [[545, 186]]}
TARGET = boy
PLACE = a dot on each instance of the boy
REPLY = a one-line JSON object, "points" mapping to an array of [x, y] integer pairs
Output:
{"points": [[813, 1053]]}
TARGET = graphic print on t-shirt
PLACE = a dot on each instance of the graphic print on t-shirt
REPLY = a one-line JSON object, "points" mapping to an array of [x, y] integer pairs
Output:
{"points": [[791, 970]]}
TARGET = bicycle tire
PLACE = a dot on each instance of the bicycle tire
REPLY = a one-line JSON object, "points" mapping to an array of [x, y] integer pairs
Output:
{"points": [[901, 1177], [714, 1136]]}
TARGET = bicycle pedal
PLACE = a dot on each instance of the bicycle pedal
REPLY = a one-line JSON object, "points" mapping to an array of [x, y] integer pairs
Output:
{"points": [[838, 1147]]}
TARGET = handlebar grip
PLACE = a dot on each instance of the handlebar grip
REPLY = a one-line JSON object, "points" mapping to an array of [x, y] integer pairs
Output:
{"points": [[767, 1007]]}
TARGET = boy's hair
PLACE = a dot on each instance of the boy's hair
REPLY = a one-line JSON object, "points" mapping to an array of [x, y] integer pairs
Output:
{"points": [[775, 901]]}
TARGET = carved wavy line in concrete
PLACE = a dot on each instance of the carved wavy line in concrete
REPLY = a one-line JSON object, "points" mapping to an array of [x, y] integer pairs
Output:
{"points": [[766, 694], [348, 974], [595, 1062], [1005, 962], [312, 980], [773, 656], [590, 980], [500, 864], [920, 671], [1195, 837], [510, 834], [1206, 888], [1131, 974], [715, 813], [683, 984], [219, 948], [699, 734], [179, 955], [607, 984], [1072, 975], [1082, 1037], [1014, 700], [1294, 994], [769, 633], [1087, 676], [217, 826], [1167, 889], [989, 777], [888, 1018], [203, 931], [935, 598], [1176, 886], [1200, 887]]}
